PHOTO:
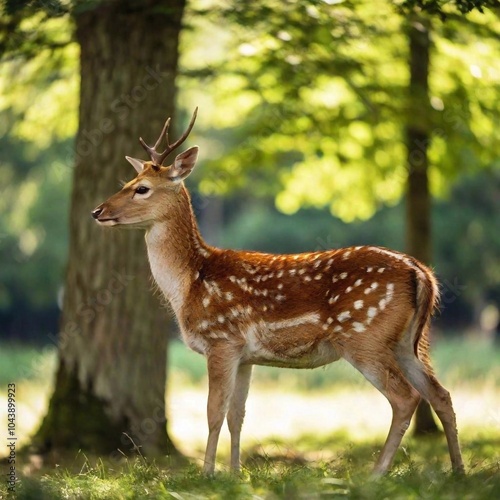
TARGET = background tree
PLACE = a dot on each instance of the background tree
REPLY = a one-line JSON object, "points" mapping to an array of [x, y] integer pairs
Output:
{"points": [[113, 336]]}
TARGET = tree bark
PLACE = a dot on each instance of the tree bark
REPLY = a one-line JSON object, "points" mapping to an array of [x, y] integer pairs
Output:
{"points": [[418, 200], [113, 341]]}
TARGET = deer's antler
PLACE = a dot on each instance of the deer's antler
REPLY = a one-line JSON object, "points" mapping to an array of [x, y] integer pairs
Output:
{"points": [[158, 158]]}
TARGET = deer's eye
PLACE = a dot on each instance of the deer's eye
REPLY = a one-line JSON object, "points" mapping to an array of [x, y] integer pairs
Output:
{"points": [[142, 190]]}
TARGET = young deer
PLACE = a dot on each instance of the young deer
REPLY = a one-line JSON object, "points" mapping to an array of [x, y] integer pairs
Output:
{"points": [[368, 305]]}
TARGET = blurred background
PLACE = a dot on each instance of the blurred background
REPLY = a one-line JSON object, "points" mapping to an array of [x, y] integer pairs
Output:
{"points": [[305, 134]]}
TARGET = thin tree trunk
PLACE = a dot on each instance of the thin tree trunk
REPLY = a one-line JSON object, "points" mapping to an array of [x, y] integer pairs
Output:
{"points": [[113, 340], [418, 200]]}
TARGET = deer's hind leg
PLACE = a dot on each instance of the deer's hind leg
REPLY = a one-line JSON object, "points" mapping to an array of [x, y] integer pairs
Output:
{"points": [[423, 379], [383, 371]]}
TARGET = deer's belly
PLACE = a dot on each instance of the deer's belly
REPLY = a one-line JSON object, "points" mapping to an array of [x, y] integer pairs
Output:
{"points": [[307, 355]]}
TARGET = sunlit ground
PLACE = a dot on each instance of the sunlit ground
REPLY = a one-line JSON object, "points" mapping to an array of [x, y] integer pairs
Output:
{"points": [[285, 404], [360, 412]]}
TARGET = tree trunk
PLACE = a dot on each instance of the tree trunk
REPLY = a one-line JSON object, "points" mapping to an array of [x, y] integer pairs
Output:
{"points": [[418, 200], [113, 339]]}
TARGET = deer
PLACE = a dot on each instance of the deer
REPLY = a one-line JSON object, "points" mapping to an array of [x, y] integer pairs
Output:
{"points": [[366, 304]]}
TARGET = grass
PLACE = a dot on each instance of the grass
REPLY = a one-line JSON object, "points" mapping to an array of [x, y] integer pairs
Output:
{"points": [[296, 445], [276, 471]]}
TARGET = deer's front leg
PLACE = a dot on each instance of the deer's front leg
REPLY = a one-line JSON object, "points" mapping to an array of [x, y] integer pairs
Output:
{"points": [[222, 362], [236, 412]]}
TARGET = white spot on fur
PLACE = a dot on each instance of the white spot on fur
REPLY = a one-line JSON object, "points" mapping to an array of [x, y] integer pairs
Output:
{"points": [[221, 318], [318, 276], [307, 278], [358, 327], [369, 270], [279, 274], [343, 276], [346, 255], [380, 269], [332, 300], [206, 301], [344, 315], [358, 304], [280, 286], [348, 289], [298, 320], [371, 288], [337, 329], [358, 282], [372, 312], [229, 296], [382, 304]]}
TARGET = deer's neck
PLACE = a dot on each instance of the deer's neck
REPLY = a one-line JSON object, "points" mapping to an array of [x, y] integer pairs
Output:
{"points": [[176, 250]]}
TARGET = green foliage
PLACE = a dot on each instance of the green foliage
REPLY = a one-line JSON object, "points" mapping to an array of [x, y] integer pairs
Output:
{"points": [[28, 26], [443, 7], [322, 90], [35, 163]]}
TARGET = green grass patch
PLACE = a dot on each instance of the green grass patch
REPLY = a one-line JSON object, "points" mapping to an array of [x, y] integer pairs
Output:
{"points": [[277, 470]]}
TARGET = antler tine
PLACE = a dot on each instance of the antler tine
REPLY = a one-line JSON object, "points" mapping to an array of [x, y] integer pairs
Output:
{"points": [[184, 136], [157, 157]]}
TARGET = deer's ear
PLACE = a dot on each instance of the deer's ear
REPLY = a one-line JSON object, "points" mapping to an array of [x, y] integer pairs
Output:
{"points": [[137, 164], [183, 164]]}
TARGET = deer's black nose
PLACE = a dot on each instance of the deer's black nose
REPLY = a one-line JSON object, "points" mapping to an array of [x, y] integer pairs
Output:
{"points": [[97, 212]]}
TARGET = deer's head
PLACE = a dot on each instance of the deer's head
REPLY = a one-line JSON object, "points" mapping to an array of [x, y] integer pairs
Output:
{"points": [[147, 197]]}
